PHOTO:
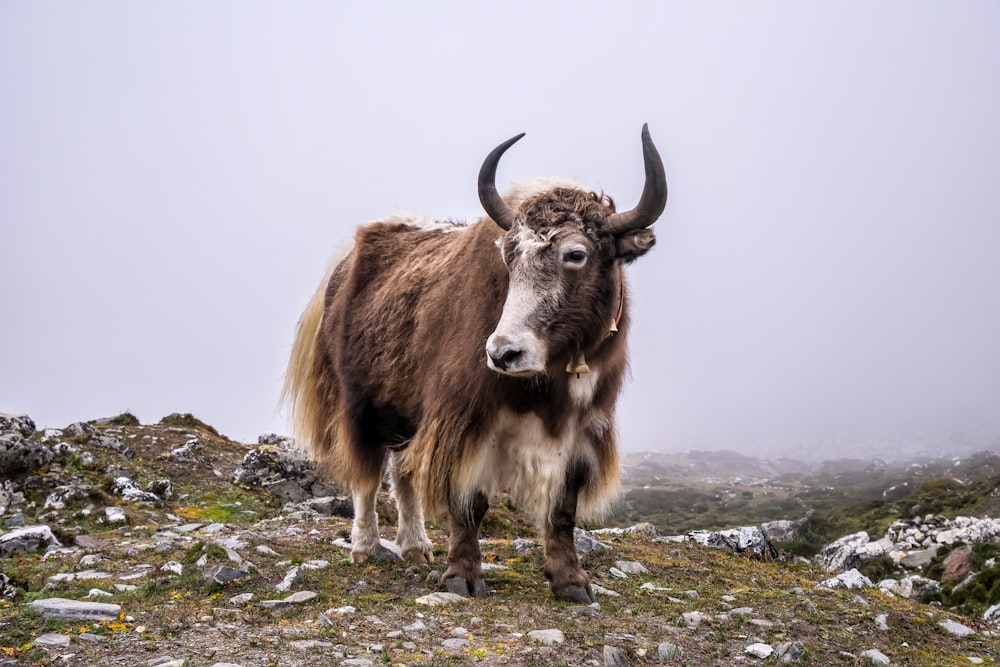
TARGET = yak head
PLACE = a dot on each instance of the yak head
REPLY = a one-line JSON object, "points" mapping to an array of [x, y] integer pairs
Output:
{"points": [[563, 246]]}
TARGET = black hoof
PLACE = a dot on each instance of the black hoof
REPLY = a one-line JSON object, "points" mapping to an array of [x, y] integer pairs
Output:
{"points": [[465, 588], [577, 594]]}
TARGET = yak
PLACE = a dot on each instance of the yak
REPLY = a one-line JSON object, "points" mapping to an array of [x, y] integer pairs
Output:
{"points": [[468, 358]]}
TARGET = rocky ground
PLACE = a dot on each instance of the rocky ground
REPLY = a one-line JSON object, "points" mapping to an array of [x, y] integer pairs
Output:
{"points": [[168, 544]]}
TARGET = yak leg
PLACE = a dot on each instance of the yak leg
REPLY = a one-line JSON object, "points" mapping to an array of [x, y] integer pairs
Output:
{"points": [[567, 579], [464, 575], [411, 536], [364, 531]]}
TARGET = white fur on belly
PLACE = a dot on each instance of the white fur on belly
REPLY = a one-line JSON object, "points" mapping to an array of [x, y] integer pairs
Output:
{"points": [[522, 457]]}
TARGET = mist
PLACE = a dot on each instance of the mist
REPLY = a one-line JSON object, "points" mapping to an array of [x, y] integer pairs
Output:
{"points": [[175, 177]]}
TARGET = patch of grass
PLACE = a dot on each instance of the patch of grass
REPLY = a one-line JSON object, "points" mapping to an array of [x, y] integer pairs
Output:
{"points": [[187, 420], [124, 419]]}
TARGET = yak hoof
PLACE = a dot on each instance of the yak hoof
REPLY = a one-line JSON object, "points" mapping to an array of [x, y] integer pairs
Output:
{"points": [[465, 588], [418, 556], [574, 593]]}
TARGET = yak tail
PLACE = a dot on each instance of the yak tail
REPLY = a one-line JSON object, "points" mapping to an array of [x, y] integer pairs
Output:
{"points": [[302, 390], [312, 390]]}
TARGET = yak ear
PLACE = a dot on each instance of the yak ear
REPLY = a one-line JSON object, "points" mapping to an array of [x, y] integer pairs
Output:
{"points": [[635, 244]]}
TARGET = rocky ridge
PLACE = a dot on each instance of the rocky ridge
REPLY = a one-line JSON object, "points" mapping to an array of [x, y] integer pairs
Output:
{"points": [[170, 545]]}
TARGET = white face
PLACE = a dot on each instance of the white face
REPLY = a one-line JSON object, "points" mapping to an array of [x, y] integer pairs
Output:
{"points": [[541, 267]]}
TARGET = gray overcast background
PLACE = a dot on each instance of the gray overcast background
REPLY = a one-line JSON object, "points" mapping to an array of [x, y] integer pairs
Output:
{"points": [[175, 176]]}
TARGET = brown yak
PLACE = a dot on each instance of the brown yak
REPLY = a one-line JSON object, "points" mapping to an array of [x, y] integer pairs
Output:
{"points": [[470, 358]]}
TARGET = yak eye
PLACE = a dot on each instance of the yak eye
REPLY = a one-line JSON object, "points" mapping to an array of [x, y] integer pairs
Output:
{"points": [[575, 256]]}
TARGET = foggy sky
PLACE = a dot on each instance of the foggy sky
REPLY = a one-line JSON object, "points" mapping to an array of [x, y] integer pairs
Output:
{"points": [[174, 178]]}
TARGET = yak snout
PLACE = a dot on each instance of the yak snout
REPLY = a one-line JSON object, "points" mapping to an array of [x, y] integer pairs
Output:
{"points": [[514, 355]]}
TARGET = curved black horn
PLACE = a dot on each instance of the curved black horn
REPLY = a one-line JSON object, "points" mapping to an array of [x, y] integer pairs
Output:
{"points": [[491, 200], [654, 192]]}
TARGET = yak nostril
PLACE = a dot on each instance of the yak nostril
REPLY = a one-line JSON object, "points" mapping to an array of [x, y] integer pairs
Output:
{"points": [[503, 352], [510, 357]]}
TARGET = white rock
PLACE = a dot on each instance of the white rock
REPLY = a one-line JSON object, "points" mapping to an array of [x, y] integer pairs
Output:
{"points": [[882, 622], [438, 599], [631, 567], [115, 515], [63, 608], [850, 580], [956, 628], [52, 640], [416, 626], [759, 650], [876, 657], [601, 590], [173, 566], [693, 618], [548, 637]]}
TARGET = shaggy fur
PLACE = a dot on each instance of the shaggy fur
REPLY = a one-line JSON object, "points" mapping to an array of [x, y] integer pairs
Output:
{"points": [[388, 370]]}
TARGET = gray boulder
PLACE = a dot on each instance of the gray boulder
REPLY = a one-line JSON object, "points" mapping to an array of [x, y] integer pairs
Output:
{"points": [[112, 442], [18, 454], [782, 530], [129, 490], [76, 609], [841, 554], [20, 424], [744, 541], [283, 470], [27, 539]]}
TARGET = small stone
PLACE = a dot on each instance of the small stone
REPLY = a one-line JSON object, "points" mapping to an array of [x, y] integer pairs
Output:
{"points": [[668, 651], [438, 599], [759, 650], [295, 598], [63, 608], [264, 549], [881, 622], [521, 545], [310, 644], [613, 657], [876, 657], [455, 643], [417, 626], [115, 515], [548, 637], [631, 567], [52, 640], [693, 618], [294, 576], [790, 652], [341, 611], [225, 575], [850, 579], [586, 544], [601, 590], [172, 566], [956, 628], [459, 632], [241, 599], [618, 574]]}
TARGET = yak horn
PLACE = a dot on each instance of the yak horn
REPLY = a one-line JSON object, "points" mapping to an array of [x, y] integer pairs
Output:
{"points": [[654, 192], [491, 200]]}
